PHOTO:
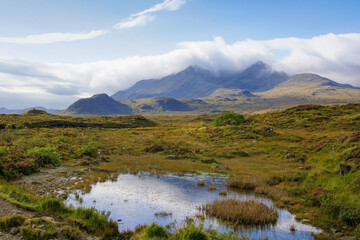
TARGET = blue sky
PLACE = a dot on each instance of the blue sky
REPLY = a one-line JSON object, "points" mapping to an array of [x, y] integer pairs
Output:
{"points": [[108, 42]]}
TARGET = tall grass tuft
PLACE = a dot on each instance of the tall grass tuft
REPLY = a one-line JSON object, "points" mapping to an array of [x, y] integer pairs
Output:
{"points": [[250, 212]]}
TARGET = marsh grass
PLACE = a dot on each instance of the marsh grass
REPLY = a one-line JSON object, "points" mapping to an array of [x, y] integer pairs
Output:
{"points": [[201, 184], [187, 232], [249, 213], [246, 183], [211, 188], [163, 214], [88, 219], [223, 193]]}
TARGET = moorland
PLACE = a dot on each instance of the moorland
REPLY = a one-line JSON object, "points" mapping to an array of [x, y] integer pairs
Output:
{"points": [[305, 158]]}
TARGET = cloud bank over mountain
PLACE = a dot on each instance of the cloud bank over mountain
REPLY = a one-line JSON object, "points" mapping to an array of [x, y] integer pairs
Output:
{"points": [[335, 56]]}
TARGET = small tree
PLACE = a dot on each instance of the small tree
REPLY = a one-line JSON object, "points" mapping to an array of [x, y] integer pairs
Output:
{"points": [[228, 118]]}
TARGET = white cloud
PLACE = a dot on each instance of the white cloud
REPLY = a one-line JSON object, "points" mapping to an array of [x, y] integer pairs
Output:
{"points": [[144, 17], [53, 37], [135, 20], [167, 5], [140, 20], [333, 56]]}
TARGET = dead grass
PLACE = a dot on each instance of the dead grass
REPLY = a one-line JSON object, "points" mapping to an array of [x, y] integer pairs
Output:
{"points": [[201, 184], [250, 212], [223, 193], [211, 188], [247, 183]]}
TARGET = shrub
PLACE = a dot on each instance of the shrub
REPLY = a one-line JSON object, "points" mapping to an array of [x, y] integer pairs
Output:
{"points": [[45, 156], [91, 218], [70, 233], [350, 216], [229, 118], [194, 233], [90, 150], [156, 231], [53, 205], [298, 177], [7, 223], [3, 151], [357, 233]]}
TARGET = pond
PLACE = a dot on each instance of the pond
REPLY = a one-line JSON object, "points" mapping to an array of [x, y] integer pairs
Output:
{"points": [[138, 199]]}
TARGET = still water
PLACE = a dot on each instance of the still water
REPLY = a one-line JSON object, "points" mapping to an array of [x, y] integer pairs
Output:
{"points": [[135, 199]]}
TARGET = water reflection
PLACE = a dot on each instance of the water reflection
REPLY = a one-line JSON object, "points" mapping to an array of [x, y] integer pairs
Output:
{"points": [[136, 199]]}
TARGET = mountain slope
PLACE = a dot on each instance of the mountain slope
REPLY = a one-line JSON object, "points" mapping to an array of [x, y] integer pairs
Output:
{"points": [[100, 104], [195, 82], [257, 78], [311, 88], [192, 82]]}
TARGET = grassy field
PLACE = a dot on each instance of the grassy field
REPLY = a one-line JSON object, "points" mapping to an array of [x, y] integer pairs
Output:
{"points": [[293, 156]]}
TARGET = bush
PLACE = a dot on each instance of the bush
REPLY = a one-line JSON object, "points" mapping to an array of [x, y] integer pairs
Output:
{"points": [[53, 205], [194, 233], [7, 223], [90, 150], [70, 233], [357, 233], [350, 216], [229, 118], [156, 231], [3, 151], [298, 177], [45, 156]]}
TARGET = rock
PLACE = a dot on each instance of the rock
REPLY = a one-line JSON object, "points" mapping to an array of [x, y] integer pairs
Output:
{"points": [[333, 230], [16, 212], [13, 231], [47, 219], [347, 238], [171, 157], [339, 234], [290, 156], [104, 159], [344, 169], [305, 221]]}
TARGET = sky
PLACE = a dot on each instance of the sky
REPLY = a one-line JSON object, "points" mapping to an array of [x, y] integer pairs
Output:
{"points": [[55, 52]]}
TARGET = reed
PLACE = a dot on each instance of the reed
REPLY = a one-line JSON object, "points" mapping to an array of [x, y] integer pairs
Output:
{"points": [[250, 212], [211, 188]]}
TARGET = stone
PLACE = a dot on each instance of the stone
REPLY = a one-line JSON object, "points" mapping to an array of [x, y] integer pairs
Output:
{"points": [[171, 157], [347, 238], [305, 221], [47, 219]]}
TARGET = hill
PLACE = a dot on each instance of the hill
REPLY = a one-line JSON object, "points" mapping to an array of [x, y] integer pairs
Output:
{"points": [[21, 111], [100, 104], [195, 82], [310, 88]]}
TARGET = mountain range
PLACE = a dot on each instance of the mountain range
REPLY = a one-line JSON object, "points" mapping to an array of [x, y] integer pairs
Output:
{"points": [[195, 82], [197, 90], [21, 111]]}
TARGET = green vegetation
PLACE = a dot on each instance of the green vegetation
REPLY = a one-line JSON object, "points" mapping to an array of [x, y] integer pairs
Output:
{"points": [[228, 118], [305, 158], [89, 219], [188, 232]]}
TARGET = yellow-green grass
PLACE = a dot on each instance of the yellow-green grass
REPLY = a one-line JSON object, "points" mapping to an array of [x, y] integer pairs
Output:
{"points": [[242, 212]]}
